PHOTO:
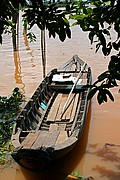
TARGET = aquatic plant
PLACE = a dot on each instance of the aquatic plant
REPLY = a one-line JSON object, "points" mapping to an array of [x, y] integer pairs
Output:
{"points": [[75, 176]]}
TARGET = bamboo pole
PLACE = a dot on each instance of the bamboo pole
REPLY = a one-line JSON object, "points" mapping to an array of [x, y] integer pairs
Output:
{"points": [[78, 77]]}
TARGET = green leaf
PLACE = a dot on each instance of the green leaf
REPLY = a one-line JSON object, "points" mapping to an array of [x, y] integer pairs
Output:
{"points": [[100, 97], [104, 95], [107, 85], [92, 93], [0, 39], [85, 11], [104, 50], [68, 7], [113, 81], [32, 24], [116, 46], [68, 32], [91, 36], [103, 75], [109, 94], [97, 47], [62, 34], [105, 31]]}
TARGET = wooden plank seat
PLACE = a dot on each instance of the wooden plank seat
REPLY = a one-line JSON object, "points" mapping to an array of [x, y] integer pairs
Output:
{"points": [[44, 138], [65, 86], [36, 139], [39, 139], [30, 139], [60, 127], [62, 137]]}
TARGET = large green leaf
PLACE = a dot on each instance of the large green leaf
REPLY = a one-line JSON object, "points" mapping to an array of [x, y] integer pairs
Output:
{"points": [[92, 93], [109, 94], [104, 75], [62, 34], [68, 32], [100, 97]]}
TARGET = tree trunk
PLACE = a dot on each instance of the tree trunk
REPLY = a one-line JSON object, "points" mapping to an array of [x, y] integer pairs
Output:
{"points": [[43, 49], [15, 31]]}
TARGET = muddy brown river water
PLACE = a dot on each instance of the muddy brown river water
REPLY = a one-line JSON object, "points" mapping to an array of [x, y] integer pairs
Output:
{"points": [[24, 70]]}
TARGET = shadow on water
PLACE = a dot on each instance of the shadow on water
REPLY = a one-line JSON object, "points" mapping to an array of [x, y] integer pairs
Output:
{"points": [[107, 173], [108, 154], [62, 167]]}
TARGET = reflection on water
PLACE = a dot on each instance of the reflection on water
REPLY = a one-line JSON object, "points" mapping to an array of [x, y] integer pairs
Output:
{"points": [[90, 156], [18, 76], [27, 46]]}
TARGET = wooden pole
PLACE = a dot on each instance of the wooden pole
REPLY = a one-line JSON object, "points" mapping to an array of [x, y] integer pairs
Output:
{"points": [[78, 77]]}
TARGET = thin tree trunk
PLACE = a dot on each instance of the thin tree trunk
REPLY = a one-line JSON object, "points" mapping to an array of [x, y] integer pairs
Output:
{"points": [[17, 46], [15, 31], [25, 30], [43, 49]]}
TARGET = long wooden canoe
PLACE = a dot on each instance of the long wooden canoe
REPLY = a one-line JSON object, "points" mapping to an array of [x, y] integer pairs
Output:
{"points": [[53, 119]]}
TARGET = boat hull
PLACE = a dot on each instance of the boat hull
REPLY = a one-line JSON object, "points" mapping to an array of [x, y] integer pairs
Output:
{"points": [[37, 160], [53, 120]]}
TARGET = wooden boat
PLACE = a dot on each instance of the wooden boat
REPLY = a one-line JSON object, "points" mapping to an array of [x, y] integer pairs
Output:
{"points": [[52, 121]]}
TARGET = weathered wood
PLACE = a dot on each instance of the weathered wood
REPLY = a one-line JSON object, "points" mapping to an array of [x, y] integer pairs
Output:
{"points": [[69, 108], [62, 102], [40, 120], [66, 86], [62, 137], [40, 139], [77, 111], [30, 139], [84, 82], [67, 143], [15, 138], [72, 115], [62, 127], [78, 77], [54, 109], [51, 139], [53, 127], [70, 71], [46, 139]]}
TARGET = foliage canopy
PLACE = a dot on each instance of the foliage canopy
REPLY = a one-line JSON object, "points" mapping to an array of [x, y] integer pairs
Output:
{"points": [[98, 17]]}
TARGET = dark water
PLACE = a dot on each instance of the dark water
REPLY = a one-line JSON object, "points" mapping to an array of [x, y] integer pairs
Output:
{"points": [[24, 70]]}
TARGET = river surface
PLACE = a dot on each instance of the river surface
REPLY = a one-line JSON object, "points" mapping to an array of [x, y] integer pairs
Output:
{"points": [[23, 69]]}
